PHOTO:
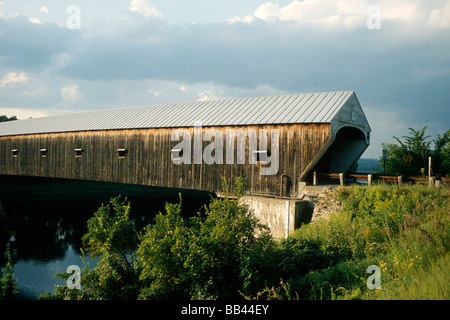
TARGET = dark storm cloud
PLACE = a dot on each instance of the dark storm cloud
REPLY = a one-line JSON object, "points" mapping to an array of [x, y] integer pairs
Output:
{"points": [[25, 45]]}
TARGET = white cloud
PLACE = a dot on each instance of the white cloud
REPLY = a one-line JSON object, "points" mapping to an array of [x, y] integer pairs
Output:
{"points": [[268, 11], [440, 17], [34, 20], [183, 89], [145, 8], [246, 19], [353, 13], [13, 77], [313, 11], [44, 9], [208, 95], [70, 93]]}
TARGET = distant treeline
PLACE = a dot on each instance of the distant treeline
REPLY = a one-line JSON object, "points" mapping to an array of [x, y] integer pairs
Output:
{"points": [[4, 118], [369, 166]]}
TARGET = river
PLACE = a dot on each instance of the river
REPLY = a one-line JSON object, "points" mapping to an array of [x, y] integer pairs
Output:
{"points": [[42, 222]]}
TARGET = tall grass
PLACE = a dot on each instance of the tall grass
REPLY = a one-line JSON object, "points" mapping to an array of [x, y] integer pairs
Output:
{"points": [[403, 230]]}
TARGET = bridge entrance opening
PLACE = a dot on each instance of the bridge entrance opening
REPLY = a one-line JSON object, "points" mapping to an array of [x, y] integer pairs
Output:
{"points": [[344, 152]]}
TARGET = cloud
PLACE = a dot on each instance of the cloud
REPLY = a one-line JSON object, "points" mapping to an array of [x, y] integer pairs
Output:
{"points": [[353, 13], [268, 11], [210, 95], [29, 46], [12, 78], [440, 17], [34, 20], [145, 8], [246, 19], [322, 12], [44, 9], [70, 93]]}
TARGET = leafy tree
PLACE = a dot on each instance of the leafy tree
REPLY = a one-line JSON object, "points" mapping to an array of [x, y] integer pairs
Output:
{"points": [[110, 232], [441, 154], [220, 246], [215, 255], [161, 255], [410, 155], [4, 118], [111, 236]]}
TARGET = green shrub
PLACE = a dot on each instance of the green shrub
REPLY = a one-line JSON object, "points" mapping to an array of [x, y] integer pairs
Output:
{"points": [[8, 284]]}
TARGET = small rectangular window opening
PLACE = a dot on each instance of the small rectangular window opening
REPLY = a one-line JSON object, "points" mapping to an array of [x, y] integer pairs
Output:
{"points": [[15, 153], [44, 153], [122, 153], [78, 153]]}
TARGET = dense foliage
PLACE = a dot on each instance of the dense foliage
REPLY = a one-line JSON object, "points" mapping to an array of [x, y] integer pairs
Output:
{"points": [[410, 155], [405, 231], [225, 253]]}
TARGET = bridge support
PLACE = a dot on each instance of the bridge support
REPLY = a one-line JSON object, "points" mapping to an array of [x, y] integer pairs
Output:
{"points": [[281, 215]]}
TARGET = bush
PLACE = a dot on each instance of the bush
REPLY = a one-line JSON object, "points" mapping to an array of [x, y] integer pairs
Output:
{"points": [[8, 284]]}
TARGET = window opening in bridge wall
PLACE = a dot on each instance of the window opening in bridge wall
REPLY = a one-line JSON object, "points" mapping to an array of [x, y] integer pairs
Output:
{"points": [[44, 153], [15, 153], [78, 153], [122, 153]]}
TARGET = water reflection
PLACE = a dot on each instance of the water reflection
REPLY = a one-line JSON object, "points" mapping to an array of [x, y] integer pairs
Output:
{"points": [[37, 276], [42, 222]]}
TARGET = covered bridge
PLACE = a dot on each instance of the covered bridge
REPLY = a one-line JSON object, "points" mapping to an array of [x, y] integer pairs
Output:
{"points": [[276, 141]]}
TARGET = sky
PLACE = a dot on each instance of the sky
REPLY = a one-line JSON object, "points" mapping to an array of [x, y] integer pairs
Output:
{"points": [[59, 56]]}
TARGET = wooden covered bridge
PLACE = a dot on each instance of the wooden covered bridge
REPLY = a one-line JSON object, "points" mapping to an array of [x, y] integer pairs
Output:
{"points": [[193, 145]]}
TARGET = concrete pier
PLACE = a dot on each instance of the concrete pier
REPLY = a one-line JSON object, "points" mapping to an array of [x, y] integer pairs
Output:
{"points": [[281, 215]]}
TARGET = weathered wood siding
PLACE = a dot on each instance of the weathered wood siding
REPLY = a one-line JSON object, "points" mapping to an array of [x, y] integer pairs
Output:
{"points": [[148, 160]]}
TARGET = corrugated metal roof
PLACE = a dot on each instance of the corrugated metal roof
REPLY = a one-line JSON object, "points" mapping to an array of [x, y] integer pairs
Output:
{"points": [[318, 107]]}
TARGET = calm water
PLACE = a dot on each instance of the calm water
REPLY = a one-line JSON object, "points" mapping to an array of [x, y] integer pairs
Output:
{"points": [[36, 276], [42, 222]]}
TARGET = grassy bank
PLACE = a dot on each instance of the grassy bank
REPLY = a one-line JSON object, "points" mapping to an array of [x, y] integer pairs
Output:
{"points": [[404, 231]]}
